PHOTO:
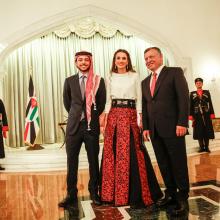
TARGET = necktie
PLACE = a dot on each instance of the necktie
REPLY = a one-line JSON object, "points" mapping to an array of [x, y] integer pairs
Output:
{"points": [[153, 83], [82, 86]]}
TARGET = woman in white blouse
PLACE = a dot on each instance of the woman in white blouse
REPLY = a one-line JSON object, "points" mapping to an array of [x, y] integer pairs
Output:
{"points": [[127, 176]]}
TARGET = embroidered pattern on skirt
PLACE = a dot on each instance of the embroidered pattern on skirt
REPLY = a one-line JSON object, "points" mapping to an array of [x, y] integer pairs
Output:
{"points": [[115, 174]]}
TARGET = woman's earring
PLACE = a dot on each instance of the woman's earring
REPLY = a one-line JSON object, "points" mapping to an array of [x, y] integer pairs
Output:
{"points": [[126, 67]]}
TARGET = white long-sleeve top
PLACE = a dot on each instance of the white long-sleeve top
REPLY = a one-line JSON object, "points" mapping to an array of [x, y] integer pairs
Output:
{"points": [[123, 86]]}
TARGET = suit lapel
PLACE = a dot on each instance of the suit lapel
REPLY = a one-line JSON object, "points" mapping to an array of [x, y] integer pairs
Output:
{"points": [[76, 86], [148, 86], [160, 80]]}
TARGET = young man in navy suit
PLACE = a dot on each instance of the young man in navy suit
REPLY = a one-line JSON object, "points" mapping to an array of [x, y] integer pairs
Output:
{"points": [[84, 98], [165, 120]]}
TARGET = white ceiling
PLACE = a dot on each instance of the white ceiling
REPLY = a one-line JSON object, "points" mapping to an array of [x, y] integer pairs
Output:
{"points": [[188, 28]]}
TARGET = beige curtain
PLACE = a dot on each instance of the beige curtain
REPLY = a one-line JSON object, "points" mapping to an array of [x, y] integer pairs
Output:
{"points": [[50, 59]]}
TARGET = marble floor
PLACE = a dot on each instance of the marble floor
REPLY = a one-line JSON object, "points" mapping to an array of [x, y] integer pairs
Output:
{"points": [[35, 195]]}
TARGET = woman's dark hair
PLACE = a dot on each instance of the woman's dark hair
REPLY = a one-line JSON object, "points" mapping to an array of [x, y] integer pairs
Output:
{"points": [[128, 67]]}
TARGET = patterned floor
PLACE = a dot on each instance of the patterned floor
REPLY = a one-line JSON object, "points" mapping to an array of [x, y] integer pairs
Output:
{"points": [[35, 195], [203, 204]]}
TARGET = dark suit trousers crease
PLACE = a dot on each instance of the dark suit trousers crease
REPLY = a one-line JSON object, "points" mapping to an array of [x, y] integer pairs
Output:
{"points": [[172, 161], [73, 146]]}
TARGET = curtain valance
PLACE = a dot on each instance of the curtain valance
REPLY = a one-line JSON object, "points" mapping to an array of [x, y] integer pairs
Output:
{"points": [[88, 27]]}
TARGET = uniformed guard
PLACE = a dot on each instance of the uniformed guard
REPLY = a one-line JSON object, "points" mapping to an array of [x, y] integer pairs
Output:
{"points": [[201, 114]]}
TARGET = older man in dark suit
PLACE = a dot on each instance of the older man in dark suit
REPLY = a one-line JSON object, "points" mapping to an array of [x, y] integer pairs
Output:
{"points": [[84, 98], [165, 120]]}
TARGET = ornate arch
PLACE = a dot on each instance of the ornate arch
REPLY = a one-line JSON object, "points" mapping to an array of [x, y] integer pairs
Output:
{"points": [[115, 20]]}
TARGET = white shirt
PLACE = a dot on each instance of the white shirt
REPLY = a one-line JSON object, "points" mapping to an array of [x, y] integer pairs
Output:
{"points": [[123, 86]]}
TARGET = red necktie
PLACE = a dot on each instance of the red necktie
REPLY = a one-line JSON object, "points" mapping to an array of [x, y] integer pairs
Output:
{"points": [[153, 83]]}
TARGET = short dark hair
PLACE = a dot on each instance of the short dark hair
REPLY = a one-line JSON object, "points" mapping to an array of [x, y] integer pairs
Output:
{"points": [[198, 80], [153, 48]]}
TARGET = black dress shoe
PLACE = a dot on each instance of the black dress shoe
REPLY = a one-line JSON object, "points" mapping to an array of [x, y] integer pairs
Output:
{"points": [[201, 150], [139, 205], [2, 168], [95, 199], [207, 150], [181, 208], [165, 202], [68, 201]]}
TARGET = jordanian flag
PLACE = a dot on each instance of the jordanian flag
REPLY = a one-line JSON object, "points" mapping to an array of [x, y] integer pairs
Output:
{"points": [[32, 121]]}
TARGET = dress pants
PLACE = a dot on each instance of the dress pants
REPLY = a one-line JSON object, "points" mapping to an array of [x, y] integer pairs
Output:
{"points": [[172, 161], [73, 146], [203, 143]]}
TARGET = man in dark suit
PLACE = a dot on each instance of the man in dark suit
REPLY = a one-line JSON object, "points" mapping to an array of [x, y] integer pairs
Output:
{"points": [[202, 113], [165, 120], [84, 98]]}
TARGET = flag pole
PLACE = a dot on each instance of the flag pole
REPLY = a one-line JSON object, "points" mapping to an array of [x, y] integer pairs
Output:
{"points": [[32, 120]]}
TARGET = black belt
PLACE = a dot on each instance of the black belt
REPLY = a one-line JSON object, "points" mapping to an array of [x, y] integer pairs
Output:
{"points": [[123, 103]]}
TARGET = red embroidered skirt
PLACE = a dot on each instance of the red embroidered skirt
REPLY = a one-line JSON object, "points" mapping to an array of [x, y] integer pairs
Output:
{"points": [[116, 168]]}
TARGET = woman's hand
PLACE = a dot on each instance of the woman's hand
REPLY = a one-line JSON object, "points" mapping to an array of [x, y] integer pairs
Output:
{"points": [[146, 135], [103, 121], [140, 124]]}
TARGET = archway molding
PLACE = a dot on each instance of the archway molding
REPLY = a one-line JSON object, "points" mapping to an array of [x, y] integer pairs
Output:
{"points": [[57, 21]]}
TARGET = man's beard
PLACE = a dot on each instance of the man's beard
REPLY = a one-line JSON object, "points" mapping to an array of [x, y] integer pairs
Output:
{"points": [[84, 71]]}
